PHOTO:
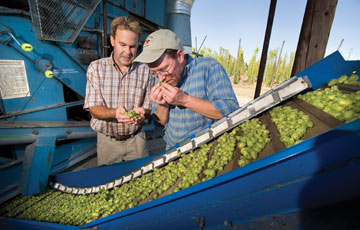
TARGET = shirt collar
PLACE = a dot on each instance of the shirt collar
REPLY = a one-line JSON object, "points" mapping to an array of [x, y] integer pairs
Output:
{"points": [[186, 70]]}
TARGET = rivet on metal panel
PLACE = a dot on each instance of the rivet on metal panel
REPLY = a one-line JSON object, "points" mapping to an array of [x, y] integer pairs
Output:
{"points": [[251, 111]]}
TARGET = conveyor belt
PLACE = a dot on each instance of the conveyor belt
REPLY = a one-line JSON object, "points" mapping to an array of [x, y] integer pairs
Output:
{"points": [[266, 101]]}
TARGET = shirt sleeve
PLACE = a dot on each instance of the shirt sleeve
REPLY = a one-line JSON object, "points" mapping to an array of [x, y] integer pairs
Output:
{"points": [[93, 94], [220, 90]]}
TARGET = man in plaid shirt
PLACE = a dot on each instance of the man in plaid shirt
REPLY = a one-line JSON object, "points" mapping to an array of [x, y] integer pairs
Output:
{"points": [[192, 93], [114, 86]]}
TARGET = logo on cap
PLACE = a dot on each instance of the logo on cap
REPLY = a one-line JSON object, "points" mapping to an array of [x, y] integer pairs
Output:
{"points": [[146, 43]]}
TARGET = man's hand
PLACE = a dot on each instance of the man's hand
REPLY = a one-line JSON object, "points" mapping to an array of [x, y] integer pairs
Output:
{"points": [[132, 117], [173, 95], [156, 95], [140, 119], [121, 116], [169, 94]]}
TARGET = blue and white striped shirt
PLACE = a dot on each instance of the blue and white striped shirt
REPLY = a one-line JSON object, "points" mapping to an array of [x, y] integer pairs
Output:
{"points": [[203, 78]]}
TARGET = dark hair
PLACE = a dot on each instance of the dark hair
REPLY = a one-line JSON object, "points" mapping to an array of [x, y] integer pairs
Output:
{"points": [[171, 53]]}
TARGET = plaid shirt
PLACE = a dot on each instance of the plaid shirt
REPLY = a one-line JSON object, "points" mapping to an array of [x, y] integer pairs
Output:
{"points": [[203, 78], [108, 87]]}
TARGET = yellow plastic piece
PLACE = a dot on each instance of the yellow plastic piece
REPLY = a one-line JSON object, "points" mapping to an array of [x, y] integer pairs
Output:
{"points": [[49, 74], [27, 47]]}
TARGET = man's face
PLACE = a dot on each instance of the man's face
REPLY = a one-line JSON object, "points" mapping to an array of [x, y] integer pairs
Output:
{"points": [[125, 45], [167, 70]]}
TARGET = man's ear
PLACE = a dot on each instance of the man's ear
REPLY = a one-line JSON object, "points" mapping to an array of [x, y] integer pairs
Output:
{"points": [[180, 55], [112, 40]]}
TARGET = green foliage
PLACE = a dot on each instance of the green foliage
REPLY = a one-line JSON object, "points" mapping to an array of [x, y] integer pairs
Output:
{"points": [[270, 68], [253, 68], [288, 67], [240, 66], [277, 69], [280, 71]]}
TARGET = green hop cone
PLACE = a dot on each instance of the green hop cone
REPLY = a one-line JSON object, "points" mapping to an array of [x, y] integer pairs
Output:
{"points": [[132, 114]]}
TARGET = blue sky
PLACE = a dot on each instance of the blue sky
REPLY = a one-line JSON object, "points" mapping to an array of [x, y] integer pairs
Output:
{"points": [[225, 22]]}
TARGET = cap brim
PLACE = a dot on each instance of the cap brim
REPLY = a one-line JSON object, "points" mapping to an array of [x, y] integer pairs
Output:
{"points": [[149, 56]]}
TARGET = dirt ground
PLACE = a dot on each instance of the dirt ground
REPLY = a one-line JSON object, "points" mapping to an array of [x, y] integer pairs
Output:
{"points": [[245, 91]]}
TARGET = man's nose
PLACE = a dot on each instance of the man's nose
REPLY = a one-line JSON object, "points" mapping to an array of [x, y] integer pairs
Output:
{"points": [[128, 50], [161, 77]]}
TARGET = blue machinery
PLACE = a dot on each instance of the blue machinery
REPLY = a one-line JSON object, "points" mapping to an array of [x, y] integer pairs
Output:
{"points": [[45, 136], [45, 49]]}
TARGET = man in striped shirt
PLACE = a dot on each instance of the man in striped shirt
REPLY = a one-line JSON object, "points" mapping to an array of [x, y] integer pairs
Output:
{"points": [[192, 93], [114, 86]]}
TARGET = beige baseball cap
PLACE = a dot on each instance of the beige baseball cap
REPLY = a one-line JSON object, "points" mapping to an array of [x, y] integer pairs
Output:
{"points": [[156, 44]]}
